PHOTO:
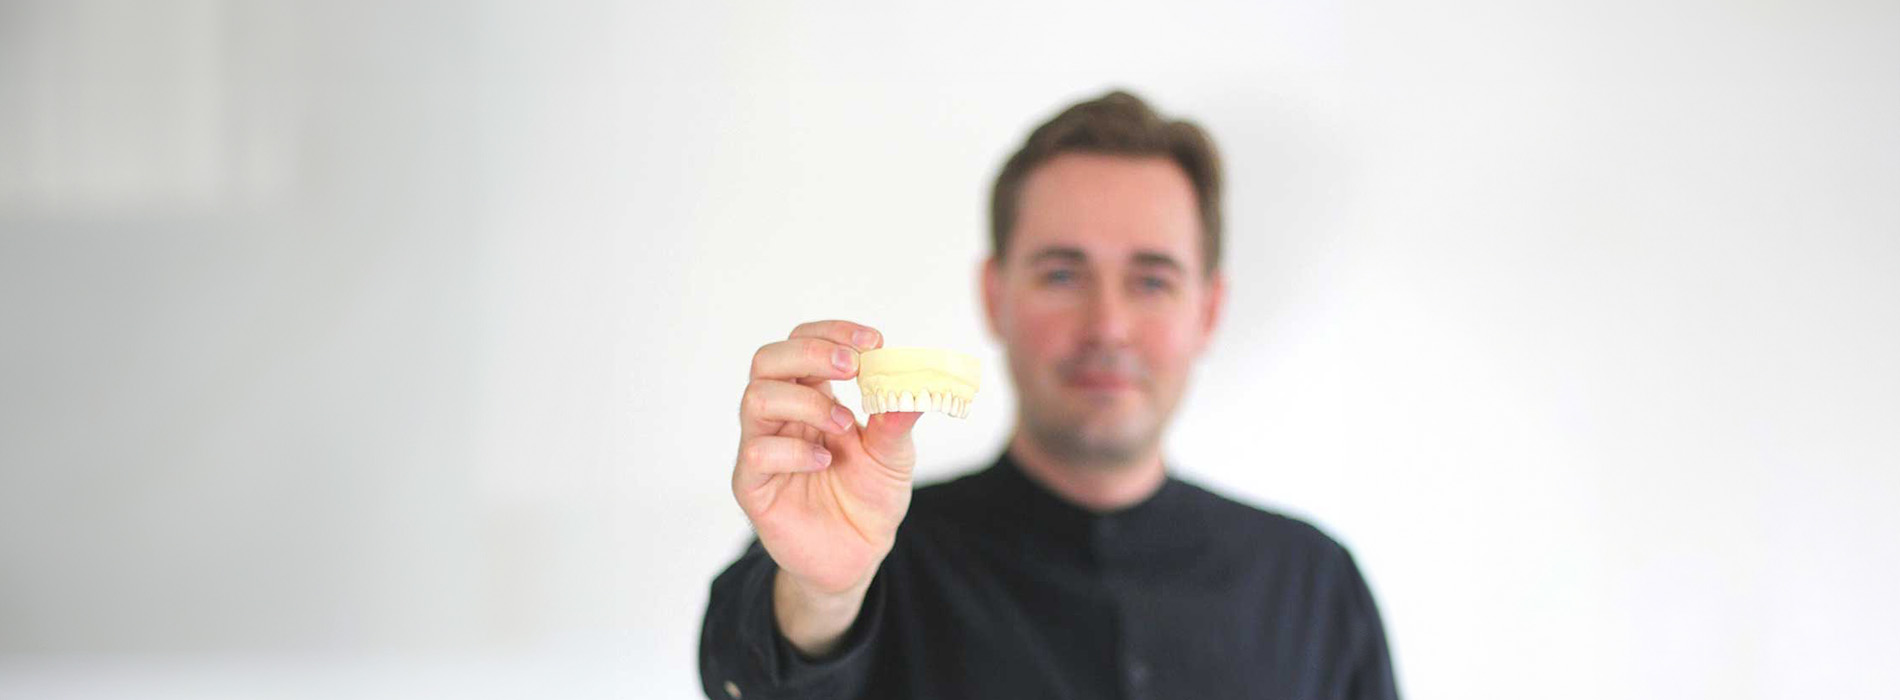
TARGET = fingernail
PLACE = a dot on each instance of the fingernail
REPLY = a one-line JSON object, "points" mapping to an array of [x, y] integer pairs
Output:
{"points": [[842, 358], [823, 455], [864, 339], [842, 417]]}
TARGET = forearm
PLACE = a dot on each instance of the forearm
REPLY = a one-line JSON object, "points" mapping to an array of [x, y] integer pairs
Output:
{"points": [[814, 623], [741, 649]]}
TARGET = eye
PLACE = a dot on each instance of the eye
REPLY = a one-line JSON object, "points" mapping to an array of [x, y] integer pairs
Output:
{"points": [[1152, 283], [1058, 276]]}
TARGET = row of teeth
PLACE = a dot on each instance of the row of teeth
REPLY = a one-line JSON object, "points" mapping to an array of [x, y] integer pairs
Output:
{"points": [[941, 402]]}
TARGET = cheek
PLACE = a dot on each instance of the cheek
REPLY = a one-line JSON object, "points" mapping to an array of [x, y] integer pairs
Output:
{"points": [[1167, 342], [1044, 330]]}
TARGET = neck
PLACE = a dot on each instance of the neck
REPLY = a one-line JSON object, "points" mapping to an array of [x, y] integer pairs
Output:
{"points": [[1102, 488]]}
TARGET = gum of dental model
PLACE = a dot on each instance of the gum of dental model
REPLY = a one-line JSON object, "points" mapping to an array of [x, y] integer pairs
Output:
{"points": [[918, 379]]}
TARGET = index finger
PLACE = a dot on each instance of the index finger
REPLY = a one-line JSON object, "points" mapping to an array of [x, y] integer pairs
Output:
{"points": [[856, 335]]}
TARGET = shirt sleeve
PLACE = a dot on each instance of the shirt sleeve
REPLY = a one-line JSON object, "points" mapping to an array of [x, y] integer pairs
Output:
{"points": [[743, 656], [1368, 662]]}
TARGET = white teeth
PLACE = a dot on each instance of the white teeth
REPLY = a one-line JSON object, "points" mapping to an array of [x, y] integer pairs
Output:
{"points": [[943, 402]]}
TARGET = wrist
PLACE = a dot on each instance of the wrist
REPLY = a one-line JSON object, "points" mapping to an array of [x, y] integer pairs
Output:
{"points": [[814, 621], [822, 599]]}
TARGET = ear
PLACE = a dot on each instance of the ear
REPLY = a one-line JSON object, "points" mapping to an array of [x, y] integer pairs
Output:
{"points": [[1211, 307], [992, 284]]}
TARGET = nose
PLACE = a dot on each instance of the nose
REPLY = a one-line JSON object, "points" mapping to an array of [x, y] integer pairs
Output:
{"points": [[1109, 321]]}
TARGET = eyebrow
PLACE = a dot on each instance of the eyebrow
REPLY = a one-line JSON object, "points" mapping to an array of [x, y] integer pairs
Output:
{"points": [[1145, 258], [1151, 259]]}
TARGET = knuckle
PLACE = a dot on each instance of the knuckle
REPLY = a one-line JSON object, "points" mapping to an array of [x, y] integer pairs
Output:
{"points": [[821, 328], [758, 360], [819, 351], [753, 453], [739, 492], [753, 402]]}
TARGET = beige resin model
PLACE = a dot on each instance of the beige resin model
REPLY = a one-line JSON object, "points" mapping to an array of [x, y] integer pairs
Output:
{"points": [[918, 379]]}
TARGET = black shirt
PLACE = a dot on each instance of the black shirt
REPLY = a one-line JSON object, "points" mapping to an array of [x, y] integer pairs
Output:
{"points": [[997, 588]]}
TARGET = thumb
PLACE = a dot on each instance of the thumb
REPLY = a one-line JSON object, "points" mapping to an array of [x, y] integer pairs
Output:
{"points": [[887, 439]]}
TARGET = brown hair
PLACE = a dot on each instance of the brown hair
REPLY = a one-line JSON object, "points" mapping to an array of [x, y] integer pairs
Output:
{"points": [[1117, 123]]}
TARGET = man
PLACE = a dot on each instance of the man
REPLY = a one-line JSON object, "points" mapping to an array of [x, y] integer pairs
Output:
{"points": [[1076, 565]]}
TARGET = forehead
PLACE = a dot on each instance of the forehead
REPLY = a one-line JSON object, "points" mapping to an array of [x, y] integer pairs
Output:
{"points": [[1109, 206]]}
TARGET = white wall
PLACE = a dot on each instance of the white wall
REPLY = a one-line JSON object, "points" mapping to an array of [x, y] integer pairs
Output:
{"points": [[359, 350]]}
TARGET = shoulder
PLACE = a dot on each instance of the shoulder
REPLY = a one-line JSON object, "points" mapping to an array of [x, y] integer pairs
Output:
{"points": [[948, 496], [946, 512], [1260, 528]]}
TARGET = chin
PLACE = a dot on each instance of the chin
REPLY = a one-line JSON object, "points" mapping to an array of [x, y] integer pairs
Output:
{"points": [[1110, 454], [1119, 438]]}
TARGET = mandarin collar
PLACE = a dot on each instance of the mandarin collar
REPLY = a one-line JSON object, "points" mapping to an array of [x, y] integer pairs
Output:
{"points": [[1163, 519]]}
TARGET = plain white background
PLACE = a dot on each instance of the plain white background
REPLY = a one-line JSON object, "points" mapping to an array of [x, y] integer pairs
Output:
{"points": [[394, 349]]}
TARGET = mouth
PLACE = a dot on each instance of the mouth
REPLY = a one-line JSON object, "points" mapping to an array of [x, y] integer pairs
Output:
{"points": [[1097, 382]]}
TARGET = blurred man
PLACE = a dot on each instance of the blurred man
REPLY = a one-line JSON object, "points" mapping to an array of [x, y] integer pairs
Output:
{"points": [[1076, 565]]}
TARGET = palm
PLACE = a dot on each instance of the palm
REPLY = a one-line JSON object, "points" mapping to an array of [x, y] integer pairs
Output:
{"points": [[830, 526]]}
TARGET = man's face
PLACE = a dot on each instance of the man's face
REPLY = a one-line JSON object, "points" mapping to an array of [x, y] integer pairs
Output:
{"points": [[1102, 302]]}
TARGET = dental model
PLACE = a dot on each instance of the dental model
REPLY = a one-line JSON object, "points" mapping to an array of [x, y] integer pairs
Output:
{"points": [[918, 379]]}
